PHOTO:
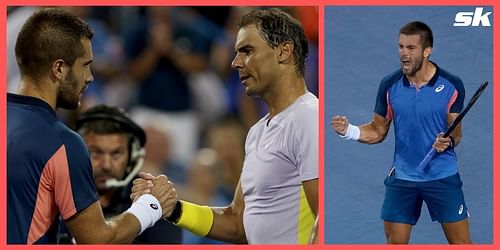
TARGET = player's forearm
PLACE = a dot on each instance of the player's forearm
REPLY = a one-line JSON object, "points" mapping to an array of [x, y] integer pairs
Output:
{"points": [[216, 223], [314, 237], [371, 134], [124, 228], [228, 221], [120, 229], [457, 136], [311, 191], [227, 226], [89, 226]]}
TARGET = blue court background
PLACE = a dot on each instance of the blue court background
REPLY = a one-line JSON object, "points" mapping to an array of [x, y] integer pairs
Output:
{"points": [[360, 49]]}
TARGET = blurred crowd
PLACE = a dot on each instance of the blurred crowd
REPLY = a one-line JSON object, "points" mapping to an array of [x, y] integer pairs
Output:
{"points": [[169, 68]]}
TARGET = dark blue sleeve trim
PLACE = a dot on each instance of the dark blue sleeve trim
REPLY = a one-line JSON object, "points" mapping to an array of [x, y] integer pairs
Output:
{"points": [[385, 85]]}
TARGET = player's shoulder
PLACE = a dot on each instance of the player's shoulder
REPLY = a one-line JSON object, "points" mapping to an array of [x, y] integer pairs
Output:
{"points": [[31, 120], [305, 110], [452, 78], [69, 137], [306, 103], [391, 78]]}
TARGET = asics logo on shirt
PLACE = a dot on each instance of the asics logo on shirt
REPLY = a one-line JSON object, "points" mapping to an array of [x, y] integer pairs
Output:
{"points": [[153, 206], [461, 209], [439, 88]]}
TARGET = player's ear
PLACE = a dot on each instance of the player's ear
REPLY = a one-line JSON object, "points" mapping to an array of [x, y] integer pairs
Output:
{"points": [[58, 69], [285, 52], [427, 52]]}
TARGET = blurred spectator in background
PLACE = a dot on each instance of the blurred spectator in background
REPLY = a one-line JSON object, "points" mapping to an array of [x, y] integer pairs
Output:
{"points": [[249, 109], [159, 159], [227, 138], [116, 148], [111, 85], [170, 68], [281, 151], [203, 187], [161, 56], [16, 18], [308, 16]]}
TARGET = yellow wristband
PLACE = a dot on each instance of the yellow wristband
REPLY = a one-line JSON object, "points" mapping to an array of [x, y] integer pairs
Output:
{"points": [[195, 218]]}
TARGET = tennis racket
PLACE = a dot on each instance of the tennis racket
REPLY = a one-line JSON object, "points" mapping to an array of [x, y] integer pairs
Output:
{"points": [[421, 168]]}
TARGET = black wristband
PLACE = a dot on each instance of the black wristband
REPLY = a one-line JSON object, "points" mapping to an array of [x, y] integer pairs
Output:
{"points": [[452, 142], [176, 214]]}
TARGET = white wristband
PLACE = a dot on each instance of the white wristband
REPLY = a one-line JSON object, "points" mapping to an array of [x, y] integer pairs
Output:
{"points": [[352, 133], [147, 210]]}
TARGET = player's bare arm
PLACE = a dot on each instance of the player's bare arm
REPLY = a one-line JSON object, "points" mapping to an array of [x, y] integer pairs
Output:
{"points": [[311, 191], [228, 221], [443, 143], [314, 238], [373, 132], [89, 225]]}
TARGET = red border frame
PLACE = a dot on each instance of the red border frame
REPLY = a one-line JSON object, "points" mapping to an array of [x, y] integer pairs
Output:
{"points": [[321, 4]]}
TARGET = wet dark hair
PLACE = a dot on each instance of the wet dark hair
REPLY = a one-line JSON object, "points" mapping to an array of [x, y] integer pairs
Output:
{"points": [[275, 27], [49, 35]]}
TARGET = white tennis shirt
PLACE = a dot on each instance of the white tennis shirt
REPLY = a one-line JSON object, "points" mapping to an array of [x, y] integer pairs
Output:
{"points": [[280, 154]]}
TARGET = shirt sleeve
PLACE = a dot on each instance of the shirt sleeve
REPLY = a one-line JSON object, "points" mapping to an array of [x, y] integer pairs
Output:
{"points": [[458, 103], [306, 144], [80, 191], [381, 103]]}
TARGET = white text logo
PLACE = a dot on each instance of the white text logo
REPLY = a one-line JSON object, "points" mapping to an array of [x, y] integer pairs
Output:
{"points": [[476, 18]]}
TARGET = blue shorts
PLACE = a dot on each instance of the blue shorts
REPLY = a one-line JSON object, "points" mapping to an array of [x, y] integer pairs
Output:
{"points": [[403, 200]]}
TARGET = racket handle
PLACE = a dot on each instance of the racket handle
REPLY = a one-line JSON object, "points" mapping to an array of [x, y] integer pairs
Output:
{"points": [[426, 160]]}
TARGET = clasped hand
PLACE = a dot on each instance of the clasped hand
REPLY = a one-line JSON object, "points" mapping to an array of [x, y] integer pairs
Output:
{"points": [[160, 187]]}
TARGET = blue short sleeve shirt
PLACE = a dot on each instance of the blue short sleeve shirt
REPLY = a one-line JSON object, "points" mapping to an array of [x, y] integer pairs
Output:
{"points": [[419, 115]]}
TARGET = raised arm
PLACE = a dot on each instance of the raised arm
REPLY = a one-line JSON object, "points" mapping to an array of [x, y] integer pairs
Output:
{"points": [[372, 132]]}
